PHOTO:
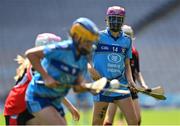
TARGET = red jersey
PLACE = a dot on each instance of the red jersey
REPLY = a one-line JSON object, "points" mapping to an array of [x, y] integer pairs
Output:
{"points": [[134, 62], [15, 102]]}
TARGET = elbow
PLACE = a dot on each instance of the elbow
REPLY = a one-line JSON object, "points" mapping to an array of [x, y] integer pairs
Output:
{"points": [[28, 54]]}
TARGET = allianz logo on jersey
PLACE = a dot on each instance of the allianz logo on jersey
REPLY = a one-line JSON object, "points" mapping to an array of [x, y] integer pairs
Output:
{"points": [[114, 58]]}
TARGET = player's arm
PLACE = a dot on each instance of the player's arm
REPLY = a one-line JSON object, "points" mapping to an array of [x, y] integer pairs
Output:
{"points": [[129, 73], [85, 83], [137, 73], [71, 108], [35, 55], [140, 80], [78, 87], [81, 81], [94, 74]]}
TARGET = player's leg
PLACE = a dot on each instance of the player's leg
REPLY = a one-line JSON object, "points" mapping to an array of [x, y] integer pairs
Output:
{"points": [[101, 103], [49, 116], [35, 120], [111, 111], [127, 107], [45, 110], [136, 105], [19, 119], [24, 116], [99, 112], [138, 110], [11, 120]]}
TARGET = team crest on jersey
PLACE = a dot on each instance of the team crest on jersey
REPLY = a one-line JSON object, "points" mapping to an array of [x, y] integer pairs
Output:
{"points": [[114, 58], [123, 50]]}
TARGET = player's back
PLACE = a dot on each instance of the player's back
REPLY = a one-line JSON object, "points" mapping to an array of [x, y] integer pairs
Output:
{"points": [[61, 62]]}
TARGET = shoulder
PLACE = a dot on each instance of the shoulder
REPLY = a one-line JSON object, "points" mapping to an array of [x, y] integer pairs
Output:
{"points": [[60, 45], [103, 33], [65, 44]]}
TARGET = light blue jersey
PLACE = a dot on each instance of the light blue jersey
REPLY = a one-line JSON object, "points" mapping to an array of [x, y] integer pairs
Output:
{"points": [[109, 57], [62, 63]]}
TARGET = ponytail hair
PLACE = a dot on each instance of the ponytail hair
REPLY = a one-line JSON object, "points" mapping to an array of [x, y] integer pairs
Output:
{"points": [[23, 65]]}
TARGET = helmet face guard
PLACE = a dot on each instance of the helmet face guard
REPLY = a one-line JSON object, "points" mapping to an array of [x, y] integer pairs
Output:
{"points": [[115, 23], [115, 18]]}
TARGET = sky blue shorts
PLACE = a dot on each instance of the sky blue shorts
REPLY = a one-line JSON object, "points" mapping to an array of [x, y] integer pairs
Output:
{"points": [[36, 104], [109, 97], [103, 98]]}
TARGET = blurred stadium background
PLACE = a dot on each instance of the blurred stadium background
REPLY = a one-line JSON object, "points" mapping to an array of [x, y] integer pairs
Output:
{"points": [[155, 22]]}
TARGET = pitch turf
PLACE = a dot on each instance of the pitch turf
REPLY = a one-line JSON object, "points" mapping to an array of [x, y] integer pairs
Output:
{"points": [[149, 117]]}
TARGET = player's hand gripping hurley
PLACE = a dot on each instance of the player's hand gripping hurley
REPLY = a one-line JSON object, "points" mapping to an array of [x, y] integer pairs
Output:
{"points": [[156, 92], [95, 87], [99, 85]]}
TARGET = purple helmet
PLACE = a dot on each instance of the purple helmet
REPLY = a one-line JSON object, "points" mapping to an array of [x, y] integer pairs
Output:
{"points": [[115, 18], [116, 10]]}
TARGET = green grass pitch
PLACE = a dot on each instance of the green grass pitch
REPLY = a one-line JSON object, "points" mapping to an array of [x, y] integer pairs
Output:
{"points": [[149, 117]]}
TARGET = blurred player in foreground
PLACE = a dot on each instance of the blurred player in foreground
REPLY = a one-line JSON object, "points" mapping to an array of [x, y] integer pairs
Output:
{"points": [[15, 110], [58, 68], [111, 59], [137, 76]]}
